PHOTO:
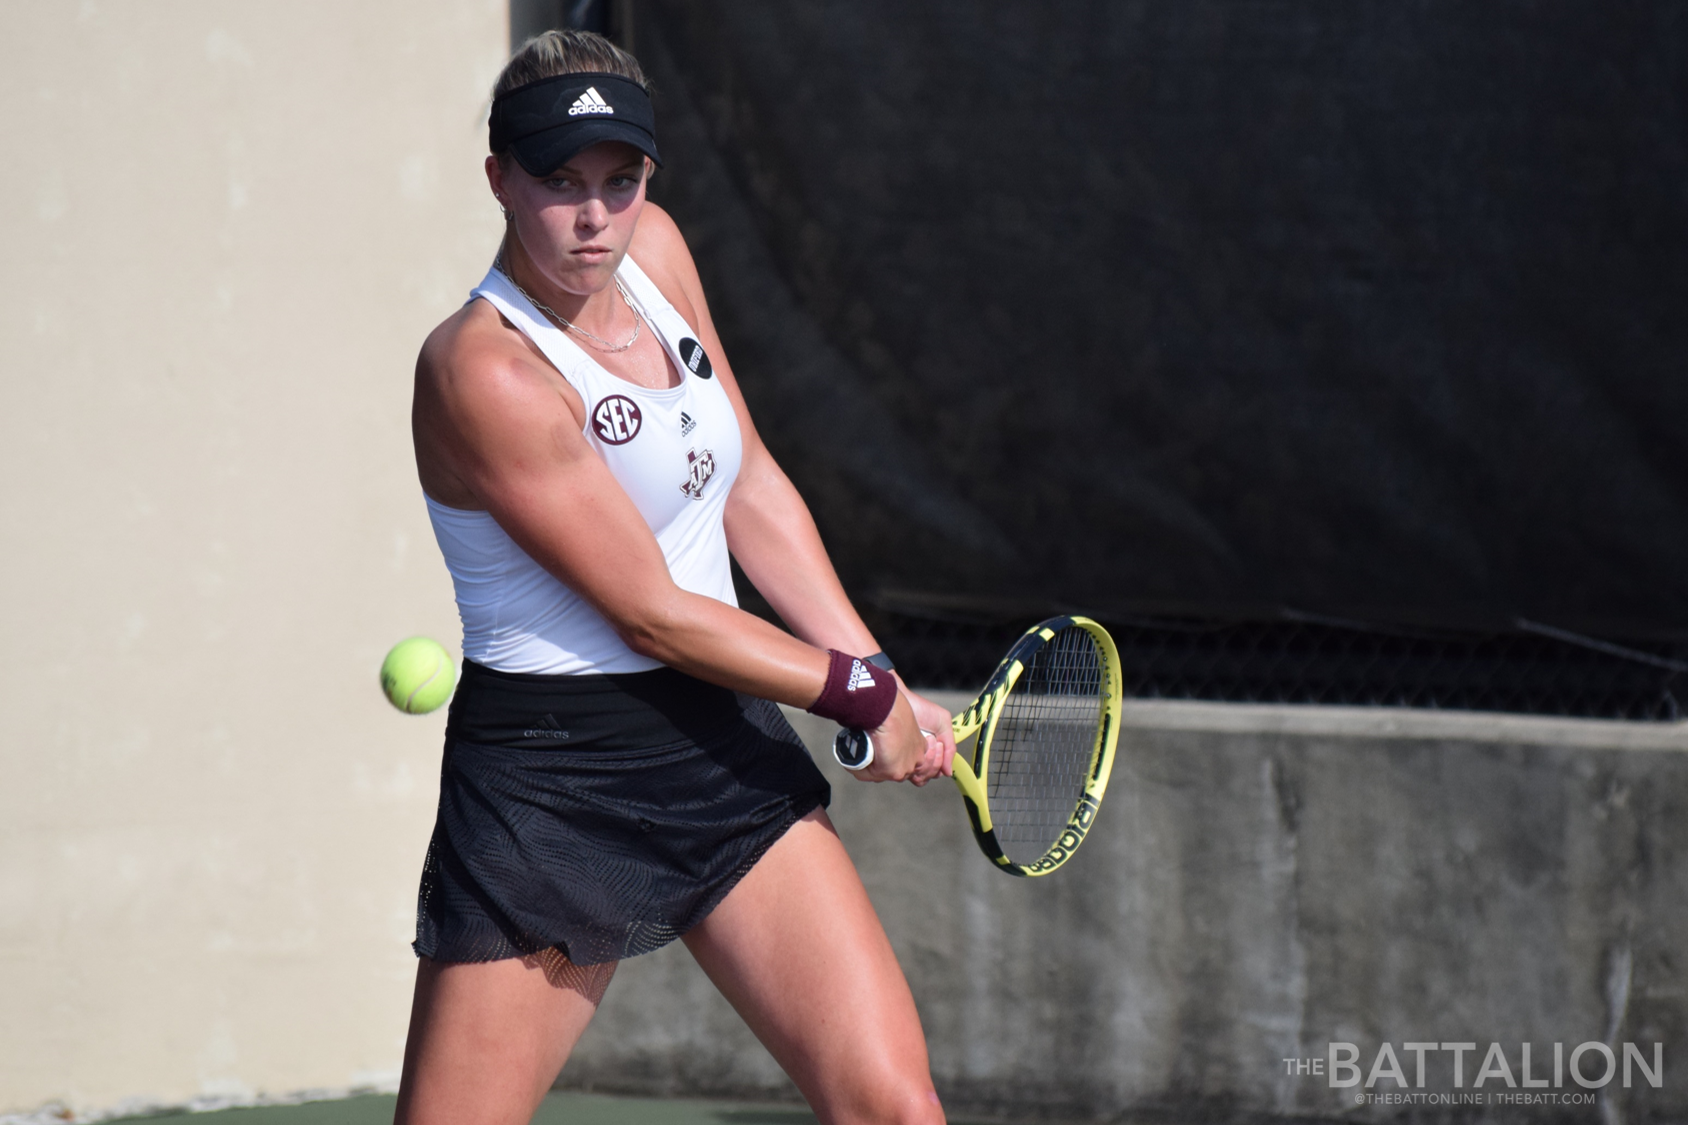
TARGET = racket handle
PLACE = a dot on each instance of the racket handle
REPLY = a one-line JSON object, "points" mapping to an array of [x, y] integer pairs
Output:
{"points": [[853, 748]]}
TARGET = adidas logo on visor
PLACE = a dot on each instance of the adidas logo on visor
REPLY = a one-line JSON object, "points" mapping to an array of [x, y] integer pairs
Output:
{"points": [[590, 102], [860, 677]]}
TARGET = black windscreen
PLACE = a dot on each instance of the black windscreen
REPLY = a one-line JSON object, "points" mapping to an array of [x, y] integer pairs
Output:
{"points": [[1215, 310]]}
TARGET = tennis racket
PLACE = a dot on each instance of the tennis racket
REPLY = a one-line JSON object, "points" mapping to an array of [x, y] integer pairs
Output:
{"points": [[1043, 731]]}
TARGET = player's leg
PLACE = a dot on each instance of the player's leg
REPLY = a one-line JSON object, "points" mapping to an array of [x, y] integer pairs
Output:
{"points": [[798, 950], [487, 1040]]}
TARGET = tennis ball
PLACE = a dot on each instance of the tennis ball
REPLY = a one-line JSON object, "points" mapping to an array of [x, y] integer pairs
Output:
{"points": [[418, 675]]}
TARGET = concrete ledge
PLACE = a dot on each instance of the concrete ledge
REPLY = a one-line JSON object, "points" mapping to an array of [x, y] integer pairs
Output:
{"points": [[1365, 723], [1261, 882], [1372, 723]]}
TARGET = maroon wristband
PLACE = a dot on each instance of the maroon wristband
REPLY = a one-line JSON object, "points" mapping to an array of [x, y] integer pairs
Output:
{"points": [[857, 695]]}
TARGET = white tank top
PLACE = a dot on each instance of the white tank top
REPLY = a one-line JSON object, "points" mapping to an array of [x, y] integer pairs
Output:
{"points": [[676, 453]]}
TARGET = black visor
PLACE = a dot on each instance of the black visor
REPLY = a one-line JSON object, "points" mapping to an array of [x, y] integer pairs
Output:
{"points": [[545, 123]]}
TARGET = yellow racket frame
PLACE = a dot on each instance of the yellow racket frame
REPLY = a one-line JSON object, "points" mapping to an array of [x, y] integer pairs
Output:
{"points": [[981, 717]]}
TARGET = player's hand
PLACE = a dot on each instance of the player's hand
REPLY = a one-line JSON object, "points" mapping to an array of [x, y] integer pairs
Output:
{"points": [[899, 747], [939, 759]]}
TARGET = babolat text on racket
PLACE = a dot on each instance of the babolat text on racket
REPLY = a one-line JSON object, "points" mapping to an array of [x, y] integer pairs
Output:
{"points": [[1044, 732]]}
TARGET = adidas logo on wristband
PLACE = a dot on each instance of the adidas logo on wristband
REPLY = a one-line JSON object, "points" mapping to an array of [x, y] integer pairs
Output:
{"points": [[854, 696]]}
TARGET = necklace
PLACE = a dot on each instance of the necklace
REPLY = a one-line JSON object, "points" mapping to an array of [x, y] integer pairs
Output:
{"points": [[603, 344]]}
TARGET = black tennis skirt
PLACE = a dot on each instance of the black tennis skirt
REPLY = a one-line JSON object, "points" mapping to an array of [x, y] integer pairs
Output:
{"points": [[604, 815]]}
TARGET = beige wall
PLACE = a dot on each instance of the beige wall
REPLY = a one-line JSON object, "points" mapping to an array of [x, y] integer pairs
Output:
{"points": [[226, 228]]}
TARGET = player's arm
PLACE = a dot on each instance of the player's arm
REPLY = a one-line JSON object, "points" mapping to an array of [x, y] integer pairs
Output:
{"points": [[769, 528]]}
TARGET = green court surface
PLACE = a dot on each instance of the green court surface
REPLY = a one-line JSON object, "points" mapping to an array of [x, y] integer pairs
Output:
{"points": [[559, 1109]]}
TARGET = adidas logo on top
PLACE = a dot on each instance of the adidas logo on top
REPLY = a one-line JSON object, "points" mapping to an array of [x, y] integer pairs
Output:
{"points": [[590, 102], [859, 676]]}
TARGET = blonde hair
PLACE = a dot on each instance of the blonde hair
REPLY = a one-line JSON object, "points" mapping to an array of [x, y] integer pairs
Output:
{"points": [[555, 53]]}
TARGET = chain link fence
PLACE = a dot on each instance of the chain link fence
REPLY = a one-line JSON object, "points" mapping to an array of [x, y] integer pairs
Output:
{"points": [[1529, 669]]}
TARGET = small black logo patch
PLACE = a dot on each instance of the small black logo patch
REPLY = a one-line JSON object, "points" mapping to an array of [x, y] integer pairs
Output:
{"points": [[691, 353], [687, 424]]}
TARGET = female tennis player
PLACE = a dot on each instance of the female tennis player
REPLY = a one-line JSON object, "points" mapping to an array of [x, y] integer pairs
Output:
{"points": [[615, 776]]}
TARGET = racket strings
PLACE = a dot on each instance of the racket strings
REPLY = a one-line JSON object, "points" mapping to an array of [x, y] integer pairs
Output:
{"points": [[1042, 749]]}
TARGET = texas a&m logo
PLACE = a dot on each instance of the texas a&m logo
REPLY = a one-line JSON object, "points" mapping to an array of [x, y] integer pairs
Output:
{"points": [[616, 420], [702, 468]]}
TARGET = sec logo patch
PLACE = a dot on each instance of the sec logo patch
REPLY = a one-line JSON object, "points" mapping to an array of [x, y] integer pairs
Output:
{"points": [[616, 420]]}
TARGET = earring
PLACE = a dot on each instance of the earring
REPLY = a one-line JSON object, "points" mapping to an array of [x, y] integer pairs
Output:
{"points": [[508, 214]]}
